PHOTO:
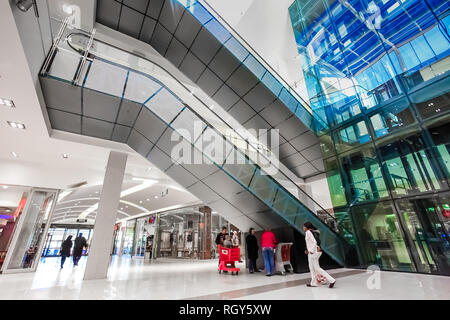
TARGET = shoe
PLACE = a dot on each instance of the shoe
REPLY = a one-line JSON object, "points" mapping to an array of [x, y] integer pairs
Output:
{"points": [[332, 284], [309, 285], [251, 271], [257, 270], [268, 275]]}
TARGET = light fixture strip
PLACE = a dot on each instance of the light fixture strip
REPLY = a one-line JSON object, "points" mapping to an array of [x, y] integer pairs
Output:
{"points": [[7, 102]]}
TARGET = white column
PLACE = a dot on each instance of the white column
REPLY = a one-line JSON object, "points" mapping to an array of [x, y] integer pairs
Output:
{"points": [[103, 233]]}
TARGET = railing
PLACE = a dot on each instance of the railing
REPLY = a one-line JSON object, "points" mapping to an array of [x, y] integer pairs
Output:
{"points": [[107, 53]]}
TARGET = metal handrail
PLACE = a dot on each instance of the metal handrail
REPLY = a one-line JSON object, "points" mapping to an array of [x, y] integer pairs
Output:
{"points": [[83, 33]]}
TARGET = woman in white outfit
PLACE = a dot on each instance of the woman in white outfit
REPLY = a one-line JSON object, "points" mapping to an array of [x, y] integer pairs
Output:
{"points": [[314, 252]]}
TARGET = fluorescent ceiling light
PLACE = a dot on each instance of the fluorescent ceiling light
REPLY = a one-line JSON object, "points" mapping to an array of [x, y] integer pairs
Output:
{"points": [[6, 102], [17, 125], [144, 185]]}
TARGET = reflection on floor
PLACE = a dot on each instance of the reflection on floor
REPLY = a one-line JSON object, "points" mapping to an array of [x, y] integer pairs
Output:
{"points": [[199, 279]]}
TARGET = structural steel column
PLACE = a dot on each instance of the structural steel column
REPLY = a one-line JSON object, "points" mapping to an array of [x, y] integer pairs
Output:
{"points": [[103, 233], [206, 239]]}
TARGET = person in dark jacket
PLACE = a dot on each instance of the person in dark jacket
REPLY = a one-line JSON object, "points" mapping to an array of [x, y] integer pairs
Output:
{"points": [[252, 250], [80, 243], [221, 236], [65, 250]]}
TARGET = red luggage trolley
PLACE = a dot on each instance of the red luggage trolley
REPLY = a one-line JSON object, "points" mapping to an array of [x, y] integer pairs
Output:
{"points": [[227, 258]]}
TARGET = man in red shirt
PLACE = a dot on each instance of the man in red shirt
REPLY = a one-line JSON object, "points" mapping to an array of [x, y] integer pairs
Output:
{"points": [[268, 244]]}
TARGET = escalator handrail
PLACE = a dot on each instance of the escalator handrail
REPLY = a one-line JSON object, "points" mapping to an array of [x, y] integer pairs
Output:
{"points": [[226, 123]]}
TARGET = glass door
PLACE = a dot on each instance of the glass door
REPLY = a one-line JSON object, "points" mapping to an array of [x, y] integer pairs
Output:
{"points": [[427, 221], [27, 242]]}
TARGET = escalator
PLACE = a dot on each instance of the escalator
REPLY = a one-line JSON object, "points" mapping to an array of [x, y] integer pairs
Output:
{"points": [[224, 66], [101, 91]]}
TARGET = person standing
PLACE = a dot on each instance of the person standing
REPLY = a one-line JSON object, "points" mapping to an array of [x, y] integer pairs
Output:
{"points": [[65, 250], [268, 244], [235, 239], [80, 243], [252, 250], [221, 236], [227, 242], [314, 252]]}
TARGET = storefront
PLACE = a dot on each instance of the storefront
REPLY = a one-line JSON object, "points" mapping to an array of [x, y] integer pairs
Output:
{"points": [[58, 233], [25, 213], [187, 233]]}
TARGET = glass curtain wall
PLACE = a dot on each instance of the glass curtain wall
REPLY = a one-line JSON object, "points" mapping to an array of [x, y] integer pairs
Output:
{"points": [[378, 72]]}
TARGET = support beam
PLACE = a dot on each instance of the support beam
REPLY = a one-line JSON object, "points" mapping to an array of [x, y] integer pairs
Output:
{"points": [[103, 234]]}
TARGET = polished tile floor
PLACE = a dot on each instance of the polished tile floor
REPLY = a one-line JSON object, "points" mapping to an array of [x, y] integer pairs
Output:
{"points": [[196, 279]]}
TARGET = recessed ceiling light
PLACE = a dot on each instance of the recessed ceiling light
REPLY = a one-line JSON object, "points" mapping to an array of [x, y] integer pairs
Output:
{"points": [[65, 155], [148, 199], [15, 155], [140, 201], [6, 102], [212, 107], [17, 125], [149, 168], [121, 208], [156, 197]]}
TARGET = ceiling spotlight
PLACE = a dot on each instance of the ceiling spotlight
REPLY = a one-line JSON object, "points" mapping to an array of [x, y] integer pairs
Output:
{"points": [[24, 5], [6, 102], [65, 155], [15, 155], [17, 125]]}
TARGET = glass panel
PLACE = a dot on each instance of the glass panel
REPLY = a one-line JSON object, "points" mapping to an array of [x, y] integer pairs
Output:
{"points": [[380, 237], [31, 230], [409, 165], [352, 136], [428, 220], [364, 175], [433, 107], [392, 118], [337, 191]]}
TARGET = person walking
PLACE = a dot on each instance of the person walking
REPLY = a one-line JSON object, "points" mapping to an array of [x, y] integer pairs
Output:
{"points": [[252, 250], [65, 250], [80, 243], [268, 244], [314, 252]]}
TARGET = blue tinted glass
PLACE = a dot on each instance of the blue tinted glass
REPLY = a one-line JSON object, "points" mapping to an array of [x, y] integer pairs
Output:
{"points": [[409, 57], [254, 66], [218, 30], [437, 41], [422, 49], [200, 13], [287, 98], [272, 83], [236, 48]]}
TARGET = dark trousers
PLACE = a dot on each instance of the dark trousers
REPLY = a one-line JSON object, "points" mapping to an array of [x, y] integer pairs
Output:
{"points": [[251, 265], [63, 259], [75, 260]]}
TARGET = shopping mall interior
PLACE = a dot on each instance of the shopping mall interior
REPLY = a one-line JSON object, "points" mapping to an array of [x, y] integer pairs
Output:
{"points": [[147, 126]]}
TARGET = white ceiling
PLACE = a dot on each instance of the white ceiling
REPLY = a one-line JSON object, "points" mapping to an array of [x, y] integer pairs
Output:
{"points": [[40, 162]]}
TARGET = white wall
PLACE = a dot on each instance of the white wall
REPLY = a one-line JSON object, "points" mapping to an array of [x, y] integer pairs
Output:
{"points": [[318, 188], [266, 26]]}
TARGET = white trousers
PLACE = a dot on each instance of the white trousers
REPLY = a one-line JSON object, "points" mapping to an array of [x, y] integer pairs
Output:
{"points": [[314, 268]]}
